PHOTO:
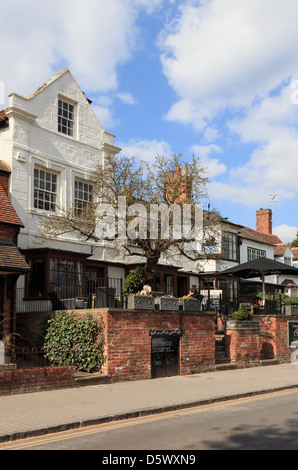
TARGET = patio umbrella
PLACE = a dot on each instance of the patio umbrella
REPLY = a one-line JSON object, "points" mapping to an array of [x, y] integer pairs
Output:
{"points": [[260, 267]]}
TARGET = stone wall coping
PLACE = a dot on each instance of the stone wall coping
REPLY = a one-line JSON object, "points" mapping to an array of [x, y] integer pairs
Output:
{"points": [[242, 325]]}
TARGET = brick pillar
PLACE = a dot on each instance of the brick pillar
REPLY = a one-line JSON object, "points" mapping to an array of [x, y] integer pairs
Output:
{"points": [[242, 342]]}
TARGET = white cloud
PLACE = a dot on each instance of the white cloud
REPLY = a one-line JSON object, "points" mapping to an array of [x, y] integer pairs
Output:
{"points": [[238, 58], [126, 98], [286, 233], [210, 135], [221, 55], [145, 150], [213, 165], [92, 40], [105, 116], [247, 196], [272, 126]]}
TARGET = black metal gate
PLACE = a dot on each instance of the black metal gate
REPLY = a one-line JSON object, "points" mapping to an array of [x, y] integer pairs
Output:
{"points": [[165, 353]]}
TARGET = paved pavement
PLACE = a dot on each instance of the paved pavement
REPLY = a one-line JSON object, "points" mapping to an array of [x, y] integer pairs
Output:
{"points": [[37, 413]]}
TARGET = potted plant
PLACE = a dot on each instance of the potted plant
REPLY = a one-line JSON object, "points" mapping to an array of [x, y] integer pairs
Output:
{"points": [[242, 318], [189, 303], [167, 302], [131, 291], [138, 301]]}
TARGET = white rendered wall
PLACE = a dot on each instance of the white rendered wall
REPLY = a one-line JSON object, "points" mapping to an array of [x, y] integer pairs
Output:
{"points": [[33, 134]]}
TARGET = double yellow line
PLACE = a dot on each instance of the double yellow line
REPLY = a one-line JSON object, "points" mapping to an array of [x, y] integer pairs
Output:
{"points": [[100, 428]]}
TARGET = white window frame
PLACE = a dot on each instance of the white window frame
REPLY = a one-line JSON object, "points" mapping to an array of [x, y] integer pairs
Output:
{"points": [[85, 194], [255, 253], [229, 246], [45, 189], [66, 116]]}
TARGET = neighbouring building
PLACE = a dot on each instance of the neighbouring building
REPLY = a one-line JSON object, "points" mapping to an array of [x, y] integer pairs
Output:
{"points": [[52, 141], [12, 263], [239, 245]]}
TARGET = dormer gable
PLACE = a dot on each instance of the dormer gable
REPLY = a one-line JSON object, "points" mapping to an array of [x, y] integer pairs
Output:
{"points": [[283, 253], [59, 106]]}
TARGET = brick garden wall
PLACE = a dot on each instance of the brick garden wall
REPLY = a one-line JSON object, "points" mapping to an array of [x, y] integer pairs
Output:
{"points": [[34, 380], [128, 347], [128, 343], [274, 336], [272, 343]]}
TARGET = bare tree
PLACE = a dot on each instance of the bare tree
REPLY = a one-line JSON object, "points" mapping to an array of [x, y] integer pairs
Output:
{"points": [[137, 205]]}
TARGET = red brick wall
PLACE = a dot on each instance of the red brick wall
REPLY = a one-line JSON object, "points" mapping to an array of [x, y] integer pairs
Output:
{"points": [[273, 335], [243, 345], [8, 231], [32, 380], [4, 182], [128, 344]]}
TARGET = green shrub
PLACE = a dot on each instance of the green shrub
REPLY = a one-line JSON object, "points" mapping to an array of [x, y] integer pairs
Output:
{"points": [[285, 299], [75, 341], [289, 300], [242, 314], [133, 282]]}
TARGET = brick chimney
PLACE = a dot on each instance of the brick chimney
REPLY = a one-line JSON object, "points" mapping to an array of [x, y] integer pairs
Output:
{"points": [[4, 176], [185, 190], [264, 221]]}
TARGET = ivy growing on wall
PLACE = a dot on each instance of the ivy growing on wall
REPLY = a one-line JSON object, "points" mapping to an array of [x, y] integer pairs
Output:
{"points": [[71, 340]]}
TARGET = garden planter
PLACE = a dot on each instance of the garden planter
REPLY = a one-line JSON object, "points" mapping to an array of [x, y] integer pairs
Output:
{"points": [[140, 302], [291, 309], [190, 305], [240, 324], [167, 303]]}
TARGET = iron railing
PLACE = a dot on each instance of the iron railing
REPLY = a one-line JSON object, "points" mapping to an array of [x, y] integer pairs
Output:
{"points": [[24, 358], [105, 292], [272, 306]]}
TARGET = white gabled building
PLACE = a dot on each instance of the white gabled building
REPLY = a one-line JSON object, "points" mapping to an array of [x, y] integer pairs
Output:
{"points": [[52, 141]]}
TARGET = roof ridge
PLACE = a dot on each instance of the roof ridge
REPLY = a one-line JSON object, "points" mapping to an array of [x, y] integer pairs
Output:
{"points": [[265, 237]]}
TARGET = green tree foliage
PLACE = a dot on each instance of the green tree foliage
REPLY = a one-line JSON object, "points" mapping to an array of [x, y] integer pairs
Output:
{"points": [[295, 241], [74, 341], [133, 282]]}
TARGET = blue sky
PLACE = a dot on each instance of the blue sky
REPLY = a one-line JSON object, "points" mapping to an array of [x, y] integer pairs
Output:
{"points": [[212, 78]]}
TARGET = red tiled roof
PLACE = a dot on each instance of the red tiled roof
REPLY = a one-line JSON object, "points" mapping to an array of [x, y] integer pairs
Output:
{"points": [[12, 260], [4, 167], [295, 252], [289, 283], [258, 236], [3, 115], [7, 213], [280, 248]]}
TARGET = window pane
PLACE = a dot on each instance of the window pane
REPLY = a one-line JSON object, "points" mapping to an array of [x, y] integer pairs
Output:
{"points": [[44, 191], [82, 195], [65, 117]]}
